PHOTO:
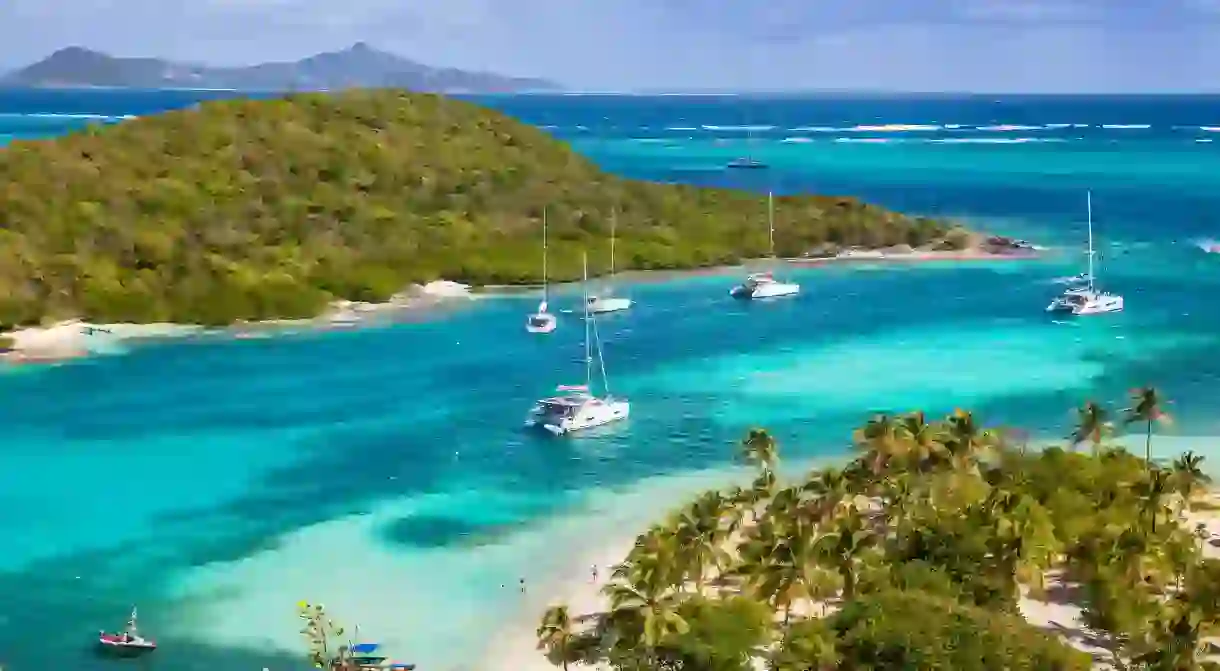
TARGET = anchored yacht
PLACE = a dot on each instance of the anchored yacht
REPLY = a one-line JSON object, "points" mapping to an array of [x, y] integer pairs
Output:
{"points": [[542, 321], [606, 301], [1087, 299], [577, 408], [764, 285]]}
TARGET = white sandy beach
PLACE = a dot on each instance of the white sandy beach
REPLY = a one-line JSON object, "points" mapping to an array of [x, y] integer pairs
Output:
{"points": [[515, 647], [75, 338]]}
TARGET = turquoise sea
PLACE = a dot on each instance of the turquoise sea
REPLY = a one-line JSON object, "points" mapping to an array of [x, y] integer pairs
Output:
{"points": [[383, 472]]}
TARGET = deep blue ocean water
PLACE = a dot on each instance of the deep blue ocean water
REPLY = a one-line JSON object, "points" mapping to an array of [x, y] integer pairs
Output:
{"points": [[216, 483]]}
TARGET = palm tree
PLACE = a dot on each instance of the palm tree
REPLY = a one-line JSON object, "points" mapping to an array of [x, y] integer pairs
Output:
{"points": [[555, 634], [1145, 407], [653, 559], [699, 536], [923, 443], [1092, 424], [966, 440], [643, 607], [1176, 641], [845, 547], [1021, 535], [831, 492], [780, 566], [763, 486], [1187, 475], [759, 448], [738, 502], [1152, 491], [898, 498], [880, 441]]}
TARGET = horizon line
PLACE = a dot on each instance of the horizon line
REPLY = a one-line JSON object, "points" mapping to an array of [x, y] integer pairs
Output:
{"points": [[662, 92]]}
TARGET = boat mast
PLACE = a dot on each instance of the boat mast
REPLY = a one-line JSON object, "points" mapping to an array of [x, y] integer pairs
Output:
{"points": [[601, 358], [544, 256], [613, 226], [1089, 207], [771, 223], [584, 264]]}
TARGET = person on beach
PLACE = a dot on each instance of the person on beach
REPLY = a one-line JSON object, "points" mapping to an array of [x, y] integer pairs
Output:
{"points": [[522, 585], [595, 573]]}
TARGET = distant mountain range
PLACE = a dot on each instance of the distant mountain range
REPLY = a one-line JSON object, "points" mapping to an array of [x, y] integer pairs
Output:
{"points": [[357, 66]]}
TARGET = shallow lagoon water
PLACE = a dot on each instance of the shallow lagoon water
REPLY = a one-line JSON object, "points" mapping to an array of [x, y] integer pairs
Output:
{"points": [[383, 471]]}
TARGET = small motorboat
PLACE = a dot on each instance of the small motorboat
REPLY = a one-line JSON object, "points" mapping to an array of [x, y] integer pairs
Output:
{"points": [[127, 642], [364, 657]]}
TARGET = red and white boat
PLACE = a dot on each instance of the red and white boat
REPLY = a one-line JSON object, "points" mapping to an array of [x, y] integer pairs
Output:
{"points": [[127, 642]]}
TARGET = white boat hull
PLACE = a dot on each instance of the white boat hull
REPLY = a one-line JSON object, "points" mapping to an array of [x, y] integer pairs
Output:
{"points": [[603, 305], [770, 290], [599, 412], [541, 323], [1101, 308], [1082, 304]]}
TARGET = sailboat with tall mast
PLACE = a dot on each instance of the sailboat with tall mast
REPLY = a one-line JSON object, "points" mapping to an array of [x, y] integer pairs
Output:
{"points": [[578, 408], [747, 162], [542, 321], [764, 285], [1087, 300], [606, 301]]}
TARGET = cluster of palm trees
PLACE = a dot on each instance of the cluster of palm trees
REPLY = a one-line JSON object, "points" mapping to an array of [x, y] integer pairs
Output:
{"points": [[948, 512]]}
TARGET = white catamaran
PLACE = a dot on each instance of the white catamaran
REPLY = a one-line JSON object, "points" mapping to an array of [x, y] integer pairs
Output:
{"points": [[578, 408], [764, 285], [606, 301], [542, 321], [1087, 299]]}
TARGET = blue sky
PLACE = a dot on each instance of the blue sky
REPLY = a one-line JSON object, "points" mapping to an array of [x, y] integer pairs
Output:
{"points": [[929, 45]]}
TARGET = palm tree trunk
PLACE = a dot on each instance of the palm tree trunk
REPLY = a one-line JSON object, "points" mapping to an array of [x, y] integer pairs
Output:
{"points": [[849, 582], [1148, 444]]}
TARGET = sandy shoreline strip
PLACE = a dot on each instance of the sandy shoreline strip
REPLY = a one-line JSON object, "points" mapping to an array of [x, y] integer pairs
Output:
{"points": [[75, 338], [919, 257], [514, 647], [882, 258]]}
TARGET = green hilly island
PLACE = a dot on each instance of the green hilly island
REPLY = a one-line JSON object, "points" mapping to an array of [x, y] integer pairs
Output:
{"points": [[256, 209]]}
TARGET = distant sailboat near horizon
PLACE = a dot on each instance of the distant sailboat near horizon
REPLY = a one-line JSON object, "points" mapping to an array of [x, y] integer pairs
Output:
{"points": [[747, 162], [606, 301], [764, 285], [542, 321], [579, 408]]}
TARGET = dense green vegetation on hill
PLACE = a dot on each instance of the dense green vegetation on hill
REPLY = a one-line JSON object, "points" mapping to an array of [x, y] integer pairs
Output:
{"points": [[272, 208]]}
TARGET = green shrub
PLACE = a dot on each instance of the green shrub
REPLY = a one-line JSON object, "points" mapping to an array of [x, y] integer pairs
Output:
{"points": [[724, 634], [917, 631]]}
